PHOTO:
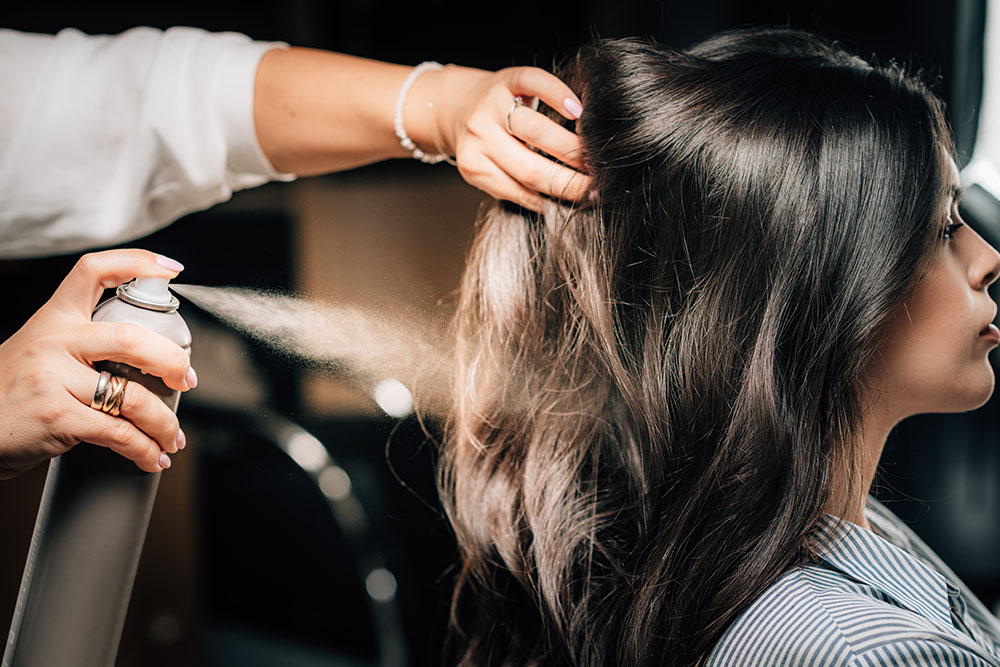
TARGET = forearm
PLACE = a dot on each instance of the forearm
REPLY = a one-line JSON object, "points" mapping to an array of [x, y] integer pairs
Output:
{"points": [[317, 111]]}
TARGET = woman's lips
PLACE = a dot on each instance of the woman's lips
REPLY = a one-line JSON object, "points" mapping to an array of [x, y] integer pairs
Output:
{"points": [[991, 333]]}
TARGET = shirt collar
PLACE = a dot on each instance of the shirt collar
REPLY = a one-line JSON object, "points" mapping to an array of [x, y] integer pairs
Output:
{"points": [[870, 559]]}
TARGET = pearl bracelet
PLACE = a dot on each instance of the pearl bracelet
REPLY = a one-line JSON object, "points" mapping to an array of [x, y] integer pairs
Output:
{"points": [[397, 119]]}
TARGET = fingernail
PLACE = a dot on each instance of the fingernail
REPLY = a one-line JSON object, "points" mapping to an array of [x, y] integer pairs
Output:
{"points": [[171, 264], [192, 378], [592, 195], [181, 439], [164, 460], [574, 108]]}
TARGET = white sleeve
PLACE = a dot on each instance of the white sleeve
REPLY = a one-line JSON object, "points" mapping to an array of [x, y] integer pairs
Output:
{"points": [[104, 139]]}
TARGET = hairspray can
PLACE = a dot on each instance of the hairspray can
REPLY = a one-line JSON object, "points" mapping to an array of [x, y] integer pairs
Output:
{"points": [[92, 521]]}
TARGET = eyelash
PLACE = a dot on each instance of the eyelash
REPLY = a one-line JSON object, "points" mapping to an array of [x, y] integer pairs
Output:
{"points": [[949, 230]]}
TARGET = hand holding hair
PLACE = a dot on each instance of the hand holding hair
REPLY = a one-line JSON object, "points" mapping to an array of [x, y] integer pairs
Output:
{"points": [[317, 112], [49, 382], [492, 134]]}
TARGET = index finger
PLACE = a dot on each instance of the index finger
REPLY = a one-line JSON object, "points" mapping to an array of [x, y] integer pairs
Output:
{"points": [[97, 271], [133, 345], [542, 132], [535, 82]]}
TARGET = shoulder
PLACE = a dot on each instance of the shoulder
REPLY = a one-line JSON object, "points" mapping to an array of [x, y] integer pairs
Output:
{"points": [[814, 616], [926, 651]]}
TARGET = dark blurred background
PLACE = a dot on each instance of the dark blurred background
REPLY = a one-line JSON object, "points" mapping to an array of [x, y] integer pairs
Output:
{"points": [[255, 559]]}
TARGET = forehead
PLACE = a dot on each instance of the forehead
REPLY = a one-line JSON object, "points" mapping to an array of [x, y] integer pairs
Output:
{"points": [[951, 176], [950, 182]]}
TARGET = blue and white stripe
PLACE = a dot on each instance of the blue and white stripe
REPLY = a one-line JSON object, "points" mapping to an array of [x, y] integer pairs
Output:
{"points": [[875, 598]]}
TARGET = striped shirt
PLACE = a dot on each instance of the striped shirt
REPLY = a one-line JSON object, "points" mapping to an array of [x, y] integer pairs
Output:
{"points": [[878, 597]]}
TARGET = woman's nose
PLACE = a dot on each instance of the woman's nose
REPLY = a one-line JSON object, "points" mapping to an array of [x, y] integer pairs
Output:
{"points": [[986, 267]]}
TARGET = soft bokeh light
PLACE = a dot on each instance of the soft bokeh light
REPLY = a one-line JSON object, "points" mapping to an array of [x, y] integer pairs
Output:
{"points": [[307, 451], [381, 585], [335, 483], [394, 398]]}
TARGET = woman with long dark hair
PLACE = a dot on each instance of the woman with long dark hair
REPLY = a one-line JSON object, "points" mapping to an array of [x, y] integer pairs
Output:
{"points": [[672, 398]]}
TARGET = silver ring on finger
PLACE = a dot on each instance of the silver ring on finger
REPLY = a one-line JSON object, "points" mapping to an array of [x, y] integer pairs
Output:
{"points": [[518, 102], [101, 390]]}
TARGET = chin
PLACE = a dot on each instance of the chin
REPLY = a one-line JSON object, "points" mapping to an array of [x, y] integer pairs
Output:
{"points": [[962, 393], [987, 393], [977, 390]]}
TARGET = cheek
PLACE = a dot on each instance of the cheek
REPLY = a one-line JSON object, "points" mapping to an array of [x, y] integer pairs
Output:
{"points": [[938, 372], [922, 378], [932, 360]]}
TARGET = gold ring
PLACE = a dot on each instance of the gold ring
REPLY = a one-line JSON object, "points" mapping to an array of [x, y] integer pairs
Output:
{"points": [[114, 396], [518, 102], [101, 391]]}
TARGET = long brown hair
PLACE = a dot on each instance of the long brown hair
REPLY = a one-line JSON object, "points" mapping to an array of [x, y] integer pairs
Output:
{"points": [[656, 387]]}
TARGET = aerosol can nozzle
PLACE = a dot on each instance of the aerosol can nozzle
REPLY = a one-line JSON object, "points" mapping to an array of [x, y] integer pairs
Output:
{"points": [[151, 289], [148, 292]]}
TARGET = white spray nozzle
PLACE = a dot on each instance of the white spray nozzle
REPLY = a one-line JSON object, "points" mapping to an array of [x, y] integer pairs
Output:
{"points": [[153, 290]]}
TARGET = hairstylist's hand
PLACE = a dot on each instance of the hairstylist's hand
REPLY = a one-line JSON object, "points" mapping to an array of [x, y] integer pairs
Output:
{"points": [[473, 107], [48, 379]]}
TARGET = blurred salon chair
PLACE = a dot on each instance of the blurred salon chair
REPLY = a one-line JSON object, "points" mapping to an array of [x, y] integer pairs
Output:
{"points": [[291, 572]]}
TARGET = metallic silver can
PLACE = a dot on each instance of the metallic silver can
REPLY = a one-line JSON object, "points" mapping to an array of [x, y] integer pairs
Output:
{"points": [[92, 521]]}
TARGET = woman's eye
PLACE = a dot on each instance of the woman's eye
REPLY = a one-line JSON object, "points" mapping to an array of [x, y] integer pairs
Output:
{"points": [[949, 230], [953, 223]]}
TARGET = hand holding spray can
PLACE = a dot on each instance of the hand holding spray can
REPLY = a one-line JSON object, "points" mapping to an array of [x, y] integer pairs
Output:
{"points": [[92, 521]]}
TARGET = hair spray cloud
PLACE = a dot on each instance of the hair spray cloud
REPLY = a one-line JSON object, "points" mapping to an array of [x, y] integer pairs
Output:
{"points": [[369, 346]]}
